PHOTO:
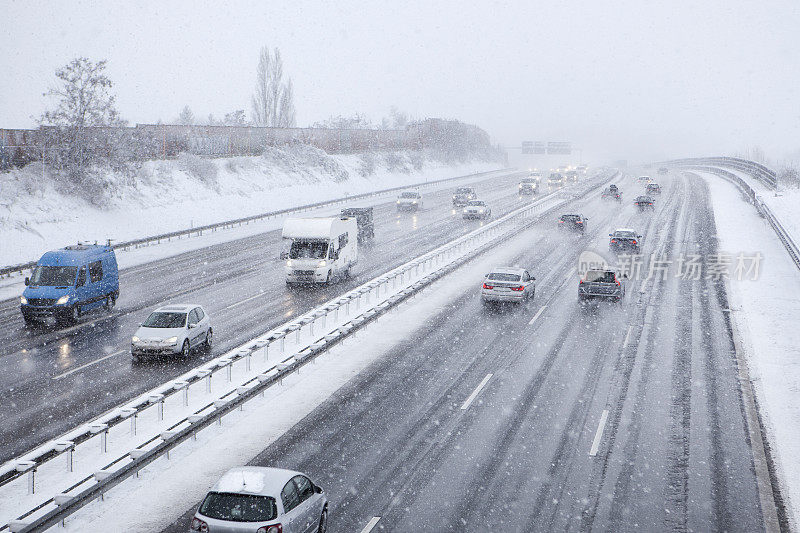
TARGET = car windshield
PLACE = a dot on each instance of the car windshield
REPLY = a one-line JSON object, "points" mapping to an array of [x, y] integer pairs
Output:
{"points": [[308, 250], [600, 276], [569, 217], [624, 235], [478, 203], [463, 190], [503, 276], [529, 180], [239, 507], [409, 195], [54, 275], [164, 319]]}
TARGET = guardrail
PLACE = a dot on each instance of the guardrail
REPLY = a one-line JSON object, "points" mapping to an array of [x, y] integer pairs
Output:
{"points": [[760, 172], [136, 243], [291, 345], [762, 208]]}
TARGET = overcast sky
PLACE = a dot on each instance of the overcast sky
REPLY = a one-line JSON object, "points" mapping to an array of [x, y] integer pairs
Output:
{"points": [[633, 79]]}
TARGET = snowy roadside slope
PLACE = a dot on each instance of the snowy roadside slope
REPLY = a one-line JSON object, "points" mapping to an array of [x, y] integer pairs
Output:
{"points": [[178, 194], [765, 312], [783, 203]]}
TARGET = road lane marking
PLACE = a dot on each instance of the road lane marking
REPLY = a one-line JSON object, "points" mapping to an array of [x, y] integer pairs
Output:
{"points": [[627, 337], [599, 434], [371, 524], [539, 312], [65, 374], [475, 393], [242, 301]]}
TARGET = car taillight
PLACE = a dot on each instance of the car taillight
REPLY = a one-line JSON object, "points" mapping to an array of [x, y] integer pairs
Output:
{"points": [[580, 282], [520, 288], [198, 525], [617, 282], [485, 286], [613, 240], [579, 221], [275, 528], [634, 242], [560, 221]]}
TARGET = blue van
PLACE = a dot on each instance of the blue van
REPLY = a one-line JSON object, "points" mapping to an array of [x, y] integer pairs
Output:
{"points": [[69, 282]]}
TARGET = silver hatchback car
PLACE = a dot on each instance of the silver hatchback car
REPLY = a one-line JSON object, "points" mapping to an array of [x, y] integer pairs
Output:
{"points": [[508, 284], [255, 499]]}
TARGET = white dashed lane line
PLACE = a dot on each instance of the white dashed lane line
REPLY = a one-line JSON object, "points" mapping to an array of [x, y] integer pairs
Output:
{"points": [[371, 524], [539, 312], [475, 393], [598, 436], [65, 374]]}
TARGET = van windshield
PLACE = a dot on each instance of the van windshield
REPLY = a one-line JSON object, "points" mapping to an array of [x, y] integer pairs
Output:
{"points": [[165, 320], [308, 250], [54, 275]]}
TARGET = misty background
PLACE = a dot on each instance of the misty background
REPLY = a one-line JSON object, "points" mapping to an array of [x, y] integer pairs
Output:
{"points": [[619, 79]]}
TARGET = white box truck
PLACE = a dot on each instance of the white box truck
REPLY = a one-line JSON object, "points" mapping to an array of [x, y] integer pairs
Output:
{"points": [[319, 249]]}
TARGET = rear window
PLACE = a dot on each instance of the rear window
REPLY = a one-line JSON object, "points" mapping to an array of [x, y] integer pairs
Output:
{"points": [[160, 319], [476, 203], [503, 276], [409, 195], [600, 276], [463, 190], [624, 235], [239, 507], [569, 217], [528, 180]]}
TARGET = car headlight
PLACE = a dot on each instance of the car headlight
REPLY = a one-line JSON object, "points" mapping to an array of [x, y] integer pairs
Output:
{"points": [[23, 300], [322, 263], [64, 299], [172, 340], [398, 201], [134, 339], [414, 202], [288, 262]]}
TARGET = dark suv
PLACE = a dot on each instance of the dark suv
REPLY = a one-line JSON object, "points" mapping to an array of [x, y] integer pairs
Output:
{"points": [[573, 222], [625, 241]]}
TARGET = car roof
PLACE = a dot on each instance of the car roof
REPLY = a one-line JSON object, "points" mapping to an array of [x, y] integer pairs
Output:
{"points": [[507, 270], [260, 480], [75, 255], [625, 229], [177, 308]]}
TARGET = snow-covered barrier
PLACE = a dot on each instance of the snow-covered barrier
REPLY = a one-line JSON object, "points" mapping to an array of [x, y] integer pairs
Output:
{"points": [[41, 488], [760, 172], [763, 209]]}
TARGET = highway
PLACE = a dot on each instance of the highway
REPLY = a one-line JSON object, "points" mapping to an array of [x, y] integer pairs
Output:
{"points": [[552, 416], [55, 379]]}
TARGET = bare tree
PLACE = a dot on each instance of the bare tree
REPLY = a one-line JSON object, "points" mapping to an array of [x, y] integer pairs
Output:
{"points": [[273, 99], [185, 117], [73, 145], [235, 118], [286, 112]]}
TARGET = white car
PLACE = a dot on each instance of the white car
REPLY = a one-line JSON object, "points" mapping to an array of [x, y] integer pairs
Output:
{"points": [[477, 209], [257, 499], [410, 200], [508, 284], [172, 330]]}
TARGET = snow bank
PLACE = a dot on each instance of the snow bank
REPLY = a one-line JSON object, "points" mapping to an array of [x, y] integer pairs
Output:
{"points": [[765, 312], [36, 215]]}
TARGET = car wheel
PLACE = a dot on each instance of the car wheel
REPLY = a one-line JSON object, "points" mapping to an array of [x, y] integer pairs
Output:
{"points": [[110, 301], [209, 339], [328, 277], [135, 359], [29, 322], [185, 350], [323, 521]]}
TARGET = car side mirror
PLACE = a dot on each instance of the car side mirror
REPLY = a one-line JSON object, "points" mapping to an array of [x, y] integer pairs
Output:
{"points": [[639, 236], [27, 281], [317, 489], [284, 256], [624, 276], [191, 325], [533, 279], [610, 234]]}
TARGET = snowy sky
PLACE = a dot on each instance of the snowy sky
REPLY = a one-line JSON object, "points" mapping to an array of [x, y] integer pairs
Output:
{"points": [[628, 78]]}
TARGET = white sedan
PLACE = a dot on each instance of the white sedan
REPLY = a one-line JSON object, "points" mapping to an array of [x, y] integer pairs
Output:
{"points": [[173, 330], [477, 209], [508, 284]]}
